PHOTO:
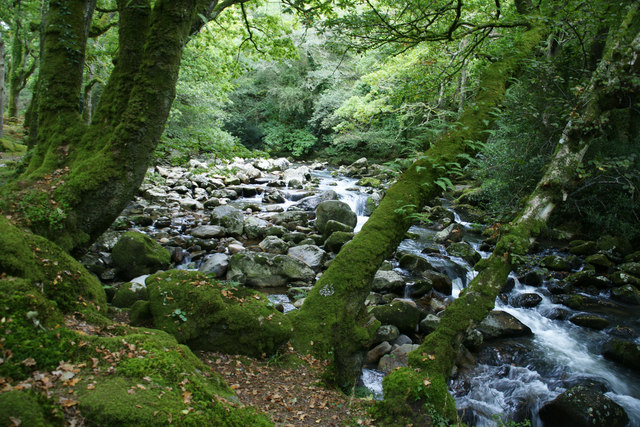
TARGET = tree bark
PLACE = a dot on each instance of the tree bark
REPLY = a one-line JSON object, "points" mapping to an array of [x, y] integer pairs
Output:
{"points": [[1, 86], [333, 322], [408, 390], [92, 171]]}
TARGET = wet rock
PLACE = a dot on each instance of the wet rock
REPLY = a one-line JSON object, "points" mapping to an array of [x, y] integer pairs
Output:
{"points": [[396, 359], [294, 237], [587, 279], [528, 300], [632, 268], [274, 245], [267, 270], [388, 281], [453, 233], [141, 220], [386, 333], [401, 314], [415, 264], [402, 340], [311, 255], [441, 214], [441, 282], [533, 277], [374, 355], [208, 231], [589, 321], [620, 278], [626, 353], [216, 265], [255, 228], [291, 219], [334, 210], [507, 287], [420, 288], [275, 230], [299, 175], [627, 294], [464, 251], [136, 254], [429, 324], [369, 182], [500, 324], [332, 226], [273, 195], [338, 239], [230, 218], [191, 204], [212, 203], [371, 203], [224, 193], [555, 263], [583, 406], [599, 261], [311, 203]]}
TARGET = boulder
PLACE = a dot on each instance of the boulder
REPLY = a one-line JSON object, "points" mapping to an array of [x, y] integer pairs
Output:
{"points": [[600, 261], [291, 219], [332, 226], [632, 268], [386, 333], [465, 251], [453, 233], [580, 247], [208, 231], [230, 218], [267, 270], [533, 277], [274, 245], [401, 314], [371, 203], [388, 281], [334, 210], [555, 263], [337, 240], [398, 358], [374, 355], [255, 228], [129, 293], [415, 264], [312, 255], [215, 264], [500, 324], [311, 203], [583, 406], [273, 195], [137, 254], [429, 324], [209, 315], [441, 282], [299, 175], [626, 294], [527, 300], [626, 353], [588, 320]]}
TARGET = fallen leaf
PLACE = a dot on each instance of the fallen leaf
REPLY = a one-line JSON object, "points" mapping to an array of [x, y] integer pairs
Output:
{"points": [[29, 361], [15, 421]]}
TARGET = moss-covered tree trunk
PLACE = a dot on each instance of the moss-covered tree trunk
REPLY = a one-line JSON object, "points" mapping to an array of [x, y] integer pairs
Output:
{"points": [[333, 321], [410, 392], [80, 176]]}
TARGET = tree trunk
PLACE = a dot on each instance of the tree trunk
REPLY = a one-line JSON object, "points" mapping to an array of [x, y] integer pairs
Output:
{"points": [[1, 86], [333, 321], [92, 171], [408, 390]]}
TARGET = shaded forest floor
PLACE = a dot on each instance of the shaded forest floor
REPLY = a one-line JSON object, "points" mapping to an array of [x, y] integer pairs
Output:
{"points": [[289, 389]]}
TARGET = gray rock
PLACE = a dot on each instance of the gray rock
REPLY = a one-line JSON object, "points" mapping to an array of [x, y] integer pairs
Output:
{"points": [[300, 174], [371, 203], [291, 219], [311, 203], [415, 264], [267, 270], [626, 353], [332, 226], [398, 358], [281, 164], [208, 231], [224, 193], [464, 251], [589, 321], [627, 294], [500, 324], [311, 255], [386, 333], [273, 195], [191, 204], [374, 355], [429, 324], [255, 228], [337, 240], [216, 265], [402, 340], [401, 314], [274, 245], [583, 406], [334, 210], [527, 300], [453, 233], [230, 218], [388, 281]]}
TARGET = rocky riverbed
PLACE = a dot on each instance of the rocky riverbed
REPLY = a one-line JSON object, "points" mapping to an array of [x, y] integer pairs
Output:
{"points": [[275, 226]]}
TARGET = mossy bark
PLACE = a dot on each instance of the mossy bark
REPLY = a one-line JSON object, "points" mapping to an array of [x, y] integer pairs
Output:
{"points": [[92, 171], [333, 320], [614, 79]]}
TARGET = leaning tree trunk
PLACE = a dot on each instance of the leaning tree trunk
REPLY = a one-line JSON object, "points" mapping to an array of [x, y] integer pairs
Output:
{"points": [[1, 86], [333, 322], [81, 176], [411, 391]]}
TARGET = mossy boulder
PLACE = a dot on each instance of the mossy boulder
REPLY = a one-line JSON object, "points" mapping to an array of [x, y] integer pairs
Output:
{"points": [[626, 353], [632, 268], [11, 146], [47, 267], [332, 226], [230, 218], [369, 182], [465, 251], [600, 261], [337, 240], [267, 270], [627, 294], [401, 314], [555, 263], [22, 408], [210, 315], [141, 314], [588, 320], [137, 254], [334, 210], [415, 264], [580, 247], [128, 293], [583, 406]]}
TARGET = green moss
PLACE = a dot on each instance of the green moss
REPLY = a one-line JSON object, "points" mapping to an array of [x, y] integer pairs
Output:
{"points": [[128, 293], [59, 276], [211, 315], [22, 406], [141, 313], [136, 254]]}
